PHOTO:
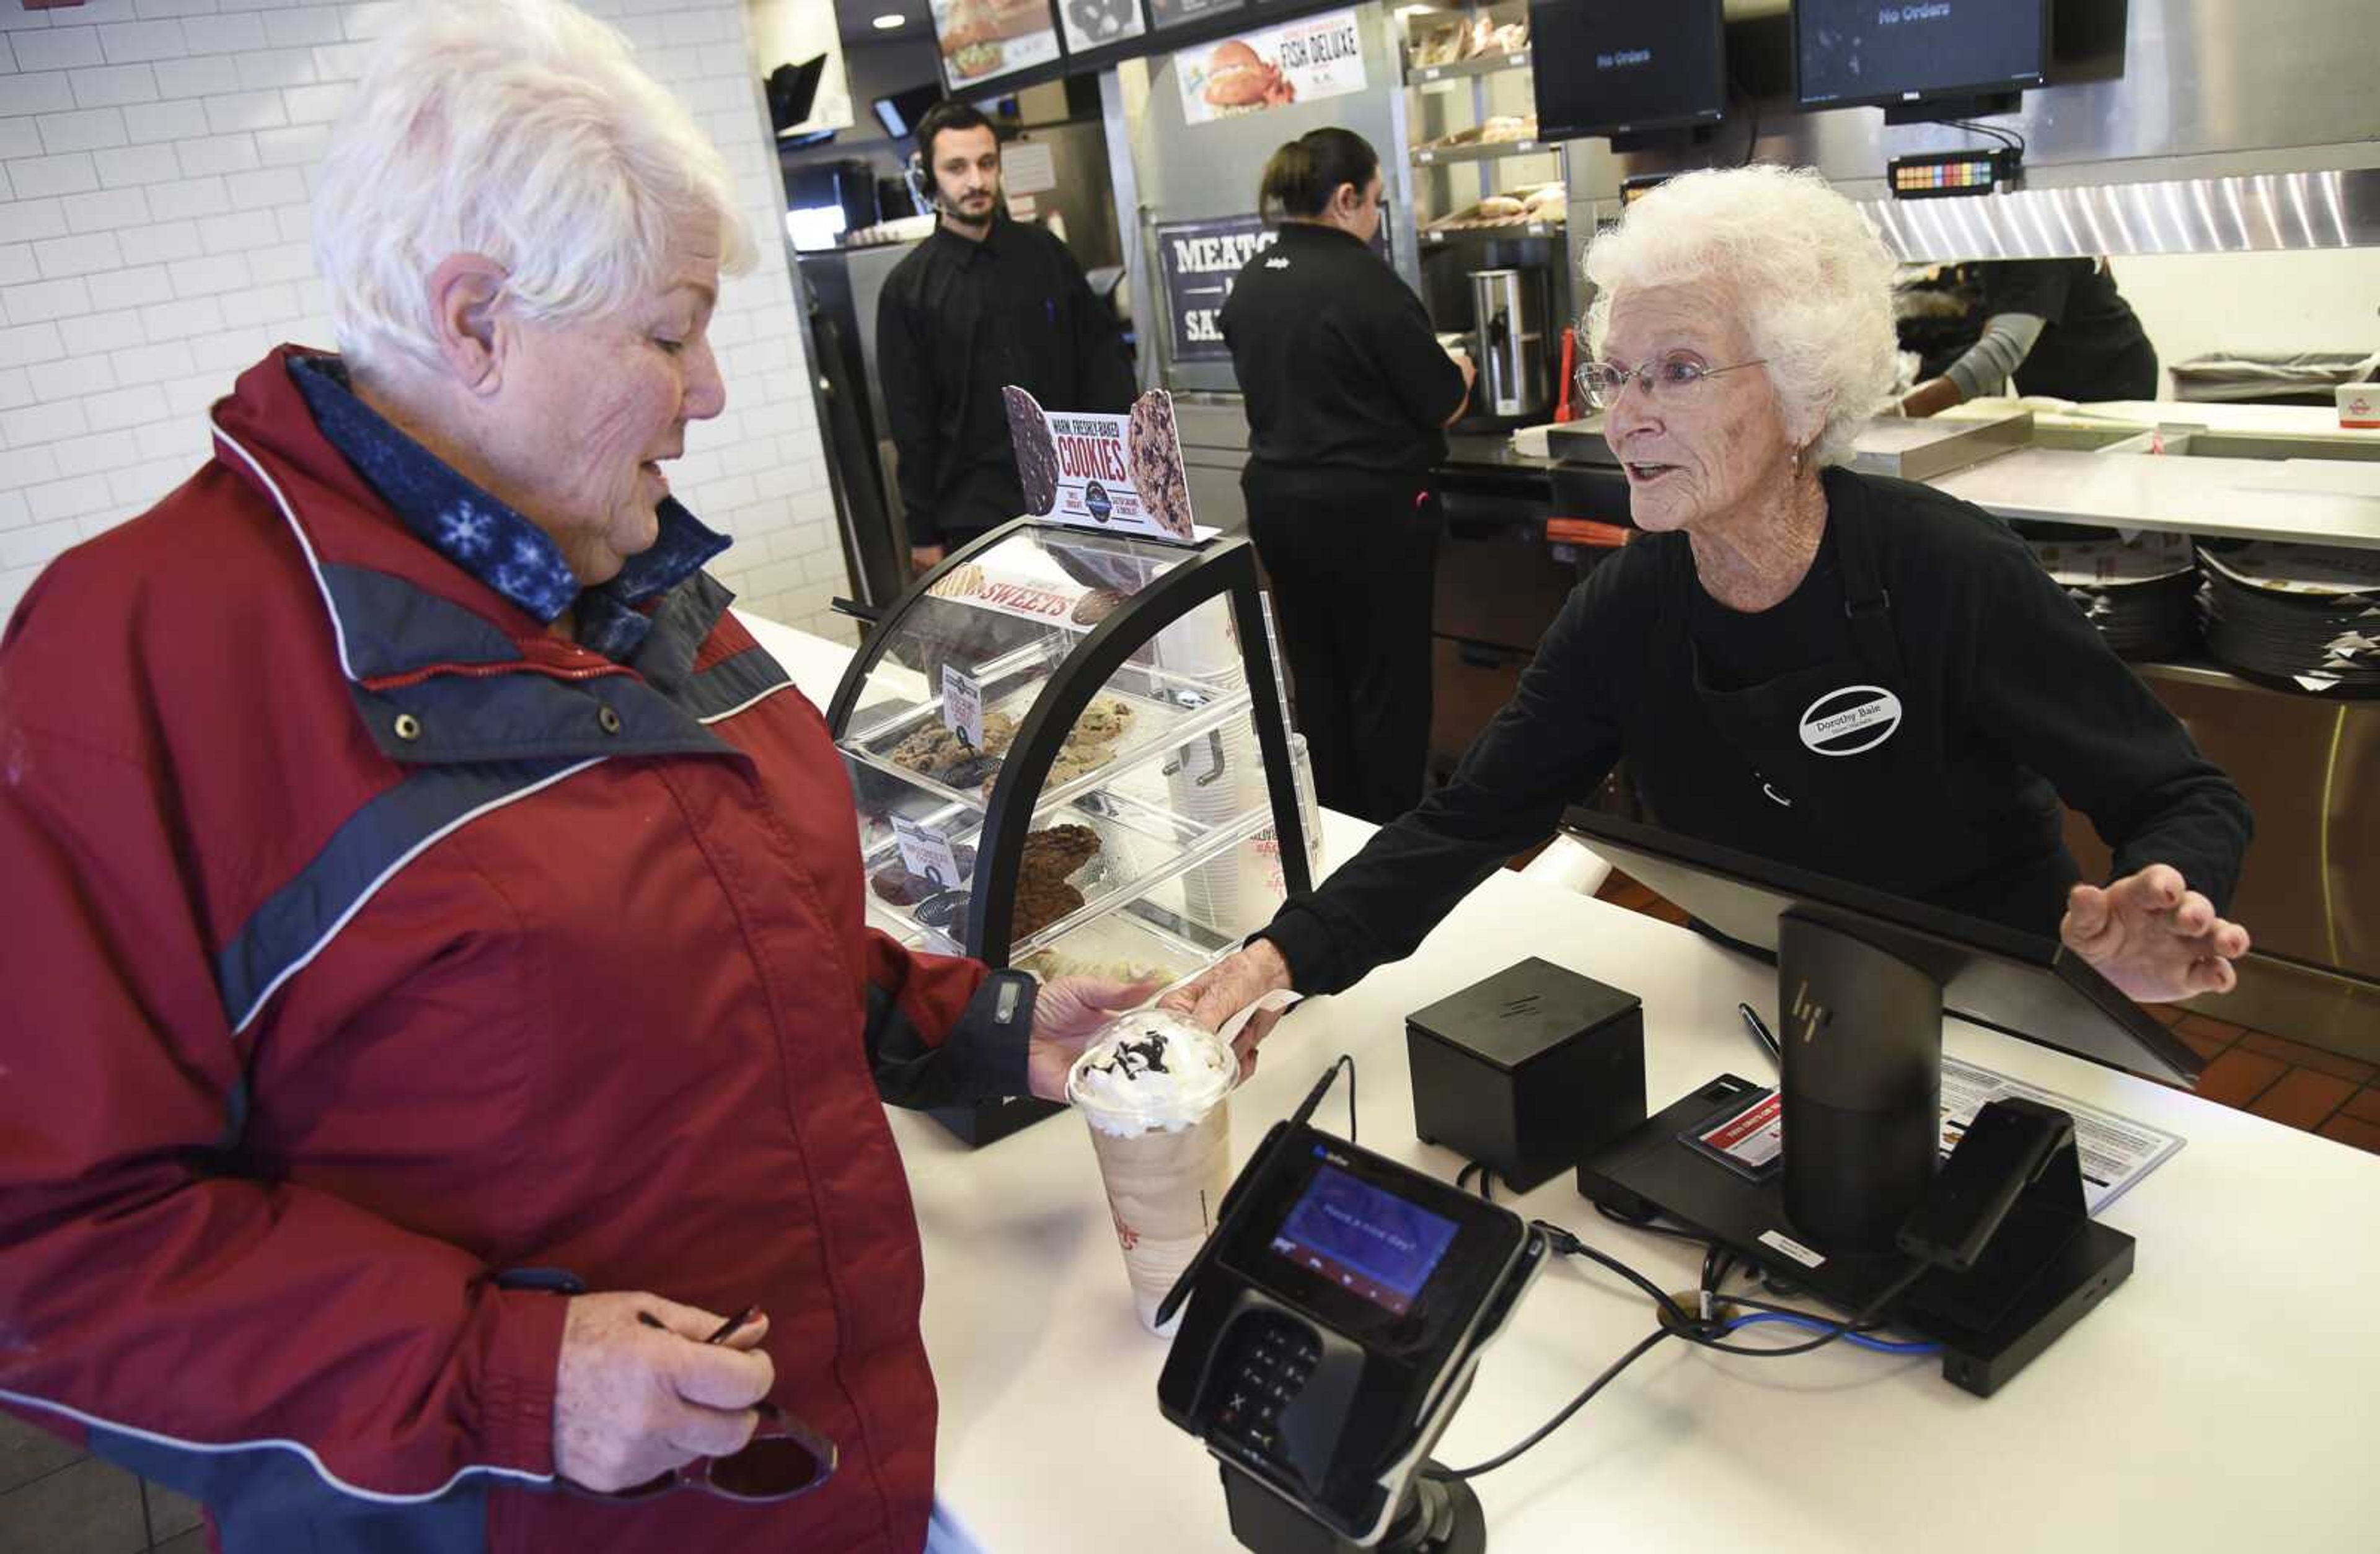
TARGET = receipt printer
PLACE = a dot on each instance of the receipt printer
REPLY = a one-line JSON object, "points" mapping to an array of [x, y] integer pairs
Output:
{"points": [[1333, 1325], [1528, 1071]]}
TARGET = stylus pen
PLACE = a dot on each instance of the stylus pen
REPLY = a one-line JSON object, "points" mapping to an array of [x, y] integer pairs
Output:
{"points": [[1760, 1033]]}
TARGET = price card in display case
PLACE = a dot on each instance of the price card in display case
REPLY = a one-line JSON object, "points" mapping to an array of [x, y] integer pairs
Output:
{"points": [[963, 706], [926, 854]]}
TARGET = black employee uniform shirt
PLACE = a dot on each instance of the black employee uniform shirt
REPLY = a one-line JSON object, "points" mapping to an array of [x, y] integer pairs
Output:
{"points": [[2092, 348], [960, 320], [1338, 361], [1907, 719]]}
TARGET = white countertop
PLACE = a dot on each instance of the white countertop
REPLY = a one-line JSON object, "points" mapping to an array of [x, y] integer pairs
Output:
{"points": [[2219, 1400], [2238, 1353]]}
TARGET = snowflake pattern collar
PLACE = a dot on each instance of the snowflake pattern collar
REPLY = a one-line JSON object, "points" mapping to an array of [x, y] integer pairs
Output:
{"points": [[491, 540]]}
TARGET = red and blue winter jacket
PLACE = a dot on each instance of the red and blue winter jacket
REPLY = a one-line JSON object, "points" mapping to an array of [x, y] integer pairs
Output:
{"points": [[365, 948]]}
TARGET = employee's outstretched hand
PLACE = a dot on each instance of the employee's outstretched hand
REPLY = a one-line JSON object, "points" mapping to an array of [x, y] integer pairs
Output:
{"points": [[1067, 1014], [1230, 985], [2154, 937], [632, 1402]]}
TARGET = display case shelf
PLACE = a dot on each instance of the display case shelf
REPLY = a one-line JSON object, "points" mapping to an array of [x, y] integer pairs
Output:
{"points": [[1141, 833], [1159, 723]]}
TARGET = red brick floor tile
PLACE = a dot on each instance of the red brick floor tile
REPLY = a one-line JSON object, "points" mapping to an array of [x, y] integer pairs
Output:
{"points": [[2238, 1077], [2352, 1130], [2205, 1046], [2303, 1056], [2203, 1024], [2302, 1099], [2165, 1014], [2363, 1106]]}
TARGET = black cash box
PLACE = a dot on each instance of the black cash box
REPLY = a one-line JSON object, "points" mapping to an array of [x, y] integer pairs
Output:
{"points": [[1528, 1071]]}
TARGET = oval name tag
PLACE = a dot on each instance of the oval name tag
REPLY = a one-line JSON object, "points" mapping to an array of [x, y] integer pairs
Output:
{"points": [[1847, 721]]}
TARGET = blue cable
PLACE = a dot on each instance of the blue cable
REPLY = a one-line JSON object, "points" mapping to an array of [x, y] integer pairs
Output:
{"points": [[1881, 1345]]}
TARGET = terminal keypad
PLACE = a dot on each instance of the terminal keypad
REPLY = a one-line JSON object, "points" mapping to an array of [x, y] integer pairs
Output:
{"points": [[1267, 1368]]}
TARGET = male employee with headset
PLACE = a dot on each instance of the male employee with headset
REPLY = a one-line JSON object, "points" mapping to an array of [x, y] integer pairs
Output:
{"points": [[982, 303]]}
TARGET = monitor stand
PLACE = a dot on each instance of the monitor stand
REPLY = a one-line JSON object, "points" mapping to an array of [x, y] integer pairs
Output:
{"points": [[1861, 1030], [1944, 110]]}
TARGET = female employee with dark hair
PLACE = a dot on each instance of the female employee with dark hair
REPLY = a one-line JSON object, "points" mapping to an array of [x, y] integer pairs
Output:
{"points": [[1347, 394]]}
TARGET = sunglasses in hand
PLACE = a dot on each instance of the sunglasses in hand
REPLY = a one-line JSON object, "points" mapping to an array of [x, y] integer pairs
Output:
{"points": [[785, 1458]]}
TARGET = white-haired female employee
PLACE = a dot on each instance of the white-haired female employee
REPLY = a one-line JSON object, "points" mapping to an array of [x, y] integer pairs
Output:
{"points": [[437, 984], [1855, 675]]}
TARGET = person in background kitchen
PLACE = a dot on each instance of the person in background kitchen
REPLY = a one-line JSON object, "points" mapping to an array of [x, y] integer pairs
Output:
{"points": [[1348, 395], [2054, 326], [438, 989], [1856, 676], [984, 302]]}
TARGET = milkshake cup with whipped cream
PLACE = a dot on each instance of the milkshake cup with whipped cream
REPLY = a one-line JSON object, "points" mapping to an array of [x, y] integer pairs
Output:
{"points": [[1155, 1089]]}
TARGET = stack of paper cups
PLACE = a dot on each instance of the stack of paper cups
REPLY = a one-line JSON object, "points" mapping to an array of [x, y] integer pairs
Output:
{"points": [[1214, 780]]}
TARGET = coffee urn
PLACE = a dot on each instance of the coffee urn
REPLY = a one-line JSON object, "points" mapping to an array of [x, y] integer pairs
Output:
{"points": [[1509, 308]]}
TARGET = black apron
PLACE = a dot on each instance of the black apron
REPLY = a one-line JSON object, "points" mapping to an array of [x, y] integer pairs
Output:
{"points": [[1842, 768]]}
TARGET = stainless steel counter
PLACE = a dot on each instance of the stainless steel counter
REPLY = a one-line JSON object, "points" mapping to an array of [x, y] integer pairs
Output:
{"points": [[2317, 502]]}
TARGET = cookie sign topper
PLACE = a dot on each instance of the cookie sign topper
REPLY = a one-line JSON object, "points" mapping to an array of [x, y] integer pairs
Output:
{"points": [[1119, 473]]}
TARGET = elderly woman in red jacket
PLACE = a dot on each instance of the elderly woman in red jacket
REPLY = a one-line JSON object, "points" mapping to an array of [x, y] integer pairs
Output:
{"points": [[438, 992]]}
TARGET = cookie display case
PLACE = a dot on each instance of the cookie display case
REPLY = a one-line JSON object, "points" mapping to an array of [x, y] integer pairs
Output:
{"points": [[1067, 753]]}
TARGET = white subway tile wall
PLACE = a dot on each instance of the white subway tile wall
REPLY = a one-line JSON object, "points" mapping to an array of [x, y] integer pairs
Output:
{"points": [[156, 160]]}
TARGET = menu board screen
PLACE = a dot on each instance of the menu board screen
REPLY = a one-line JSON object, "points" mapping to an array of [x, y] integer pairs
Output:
{"points": [[1178, 13], [1092, 24], [983, 40]]}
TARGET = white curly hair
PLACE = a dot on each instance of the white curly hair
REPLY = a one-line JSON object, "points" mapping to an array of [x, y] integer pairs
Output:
{"points": [[523, 130], [1810, 278]]}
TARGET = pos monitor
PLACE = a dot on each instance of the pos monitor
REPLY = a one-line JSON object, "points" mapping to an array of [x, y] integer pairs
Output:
{"points": [[1622, 67], [1921, 59], [1863, 981]]}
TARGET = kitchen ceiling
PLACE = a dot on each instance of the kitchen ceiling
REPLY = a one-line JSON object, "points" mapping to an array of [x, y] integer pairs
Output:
{"points": [[857, 20]]}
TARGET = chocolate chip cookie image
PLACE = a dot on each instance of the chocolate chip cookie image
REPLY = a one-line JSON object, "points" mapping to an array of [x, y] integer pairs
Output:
{"points": [[1037, 451], [1097, 606], [1153, 451]]}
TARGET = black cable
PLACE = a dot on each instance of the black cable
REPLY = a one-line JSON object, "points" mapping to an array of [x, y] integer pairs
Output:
{"points": [[1643, 1347], [2008, 137], [1864, 1318], [1695, 1331], [1349, 1059], [1486, 1182], [1676, 1324], [1751, 1303], [1648, 1226], [1570, 1246]]}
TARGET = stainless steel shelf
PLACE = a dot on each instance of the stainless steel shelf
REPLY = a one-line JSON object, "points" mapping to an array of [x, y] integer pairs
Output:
{"points": [[1441, 156], [1485, 65], [1482, 233]]}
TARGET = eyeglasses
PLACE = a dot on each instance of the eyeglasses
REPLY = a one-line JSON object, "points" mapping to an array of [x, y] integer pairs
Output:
{"points": [[1673, 377], [785, 1458]]}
